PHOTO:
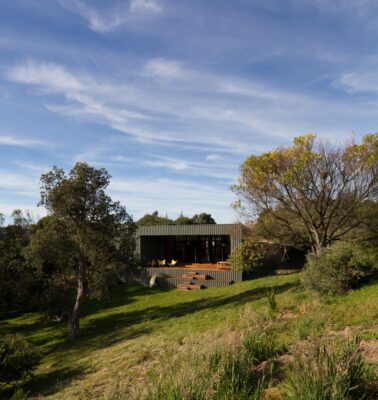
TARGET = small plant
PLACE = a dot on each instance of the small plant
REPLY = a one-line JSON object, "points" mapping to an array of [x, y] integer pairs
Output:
{"points": [[261, 346], [338, 269], [329, 370], [308, 327], [17, 358], [273, 305]]}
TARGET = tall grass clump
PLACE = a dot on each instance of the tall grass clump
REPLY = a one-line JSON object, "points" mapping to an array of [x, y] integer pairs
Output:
{"points": [[233, 366], [342, 267], [332, 369]]}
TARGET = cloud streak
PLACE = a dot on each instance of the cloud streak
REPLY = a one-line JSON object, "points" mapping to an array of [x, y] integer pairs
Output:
{"points": [[8, 140], [120, 13]]}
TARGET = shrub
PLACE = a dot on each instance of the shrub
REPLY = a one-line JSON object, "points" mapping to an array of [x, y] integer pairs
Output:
{"points": [[247, 256], [17, 358], [338, 269], [329, 370]]}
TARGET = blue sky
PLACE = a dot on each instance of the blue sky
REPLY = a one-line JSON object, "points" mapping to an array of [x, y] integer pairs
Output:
{"points": [[172, 95]]}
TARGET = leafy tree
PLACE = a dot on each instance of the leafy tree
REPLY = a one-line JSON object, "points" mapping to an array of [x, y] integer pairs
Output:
{"points": [[154, 219], [203, 218], [87, 238], [16, 278], [313, 182]]}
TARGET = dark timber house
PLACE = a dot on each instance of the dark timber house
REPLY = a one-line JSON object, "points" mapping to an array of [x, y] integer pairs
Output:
{"points": [[199, 249]]}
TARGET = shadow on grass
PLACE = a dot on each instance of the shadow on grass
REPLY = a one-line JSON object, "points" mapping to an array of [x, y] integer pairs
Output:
{"points": [[45, 384], [107, 326]]}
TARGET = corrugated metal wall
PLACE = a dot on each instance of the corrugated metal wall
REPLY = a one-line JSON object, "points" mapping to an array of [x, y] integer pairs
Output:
{"points": [[232, 230]]}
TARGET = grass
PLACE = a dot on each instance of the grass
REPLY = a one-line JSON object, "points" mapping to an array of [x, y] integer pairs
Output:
{"points": [[127, 337]]}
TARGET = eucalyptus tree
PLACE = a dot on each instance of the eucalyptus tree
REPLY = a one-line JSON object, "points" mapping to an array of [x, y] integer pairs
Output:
{"points": [[87, 237], [312, 189]]}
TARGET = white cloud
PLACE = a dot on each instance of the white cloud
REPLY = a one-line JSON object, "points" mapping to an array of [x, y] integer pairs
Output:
{"points": [[114, 15], [141, 195], [213, 157], [7, 140], [49, 75], [361, 81], [146, 6], [163, 68]]}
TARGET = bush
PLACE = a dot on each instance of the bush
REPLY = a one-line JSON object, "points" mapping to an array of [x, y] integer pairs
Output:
{"points": [[329, 370], [247, 256], [336, 270], [17, 358]]}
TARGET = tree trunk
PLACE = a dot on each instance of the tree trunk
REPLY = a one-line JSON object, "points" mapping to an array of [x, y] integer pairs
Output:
{"points": [[74, 319]]}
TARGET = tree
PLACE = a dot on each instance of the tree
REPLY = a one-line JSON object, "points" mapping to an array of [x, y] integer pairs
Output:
{"points": [[154, 219], [16, 278], [88, 236], [314, 182], [203, 218]]}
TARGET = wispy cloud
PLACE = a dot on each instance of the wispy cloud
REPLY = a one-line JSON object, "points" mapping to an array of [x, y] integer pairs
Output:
{"points": [[8, 140], [114, 14], [145, 194], [359, 81], [140, 109]]}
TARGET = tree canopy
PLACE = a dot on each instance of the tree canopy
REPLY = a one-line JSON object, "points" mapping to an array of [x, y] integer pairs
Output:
{"points": [[86, 236], [156, 219], [311, 188]]}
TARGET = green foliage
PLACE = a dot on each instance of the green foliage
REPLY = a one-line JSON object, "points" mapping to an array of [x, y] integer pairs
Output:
{"points": [[247, 256], [17, 358], [19, 394], [203, 218], [311, 189], [18, 283], [86, 239], [273, 305], [329, 370], [336, 270], [155, 219], [310, 327], [261, 346], [225, 371]]}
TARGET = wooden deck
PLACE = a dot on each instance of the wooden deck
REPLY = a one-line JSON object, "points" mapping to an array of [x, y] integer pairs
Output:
{"points": [[190, 276]]}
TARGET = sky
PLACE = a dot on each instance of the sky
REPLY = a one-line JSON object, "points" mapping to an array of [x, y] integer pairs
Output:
{"points": [[170, 96]]}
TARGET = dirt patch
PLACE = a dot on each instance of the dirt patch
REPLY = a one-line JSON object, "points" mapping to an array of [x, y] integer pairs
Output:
{"points": [[370, 350]]}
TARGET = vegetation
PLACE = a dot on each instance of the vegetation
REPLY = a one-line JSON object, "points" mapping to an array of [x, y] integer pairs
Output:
{"points": [[87, 234], [142, 336], [247, 256], [340, 268], [312, 187], [270, 338], [17, 358], [156, 219], [332, 369]]}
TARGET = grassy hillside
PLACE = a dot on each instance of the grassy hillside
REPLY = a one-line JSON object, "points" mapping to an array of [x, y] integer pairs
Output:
{"points": [[126, 338]]}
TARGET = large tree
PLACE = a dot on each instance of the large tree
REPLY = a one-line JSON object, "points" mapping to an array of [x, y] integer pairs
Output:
{"points": [[312, 188], [87, 236]]}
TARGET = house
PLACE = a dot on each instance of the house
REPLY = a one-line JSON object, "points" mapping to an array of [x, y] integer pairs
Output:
{"points": [[201, 252]]}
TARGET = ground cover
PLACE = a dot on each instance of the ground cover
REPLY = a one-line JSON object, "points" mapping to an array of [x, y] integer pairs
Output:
{"points": [[128, 336]]}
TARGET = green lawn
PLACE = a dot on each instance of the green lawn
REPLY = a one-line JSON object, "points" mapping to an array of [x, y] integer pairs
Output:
{"points": [[125, 337]]}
